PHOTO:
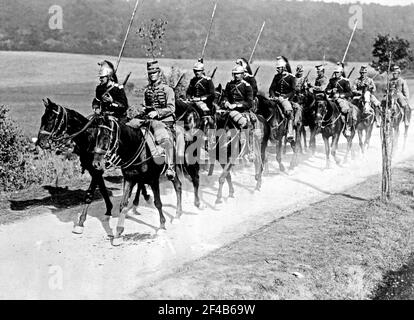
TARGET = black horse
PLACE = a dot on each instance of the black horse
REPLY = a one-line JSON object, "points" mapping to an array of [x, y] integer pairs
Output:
{"points": [[274, 130], [139, 167], [309, 120], [329, 124], [59, 122]]}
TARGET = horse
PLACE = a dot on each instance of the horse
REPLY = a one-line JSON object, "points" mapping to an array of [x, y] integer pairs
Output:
{"points": [[115, 143], [57, 123], [329, 124], [275, 126], [366, 119], [307, 102]]}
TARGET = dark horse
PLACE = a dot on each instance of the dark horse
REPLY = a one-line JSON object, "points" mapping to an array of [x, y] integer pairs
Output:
{"points": [[59, 122], [329, 124], [275, 129], [309, 120], [128, 146]]}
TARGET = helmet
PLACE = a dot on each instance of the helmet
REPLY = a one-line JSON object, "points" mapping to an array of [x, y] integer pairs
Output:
{"points": [[280, 62], [198, 66], [299, 68], [320, 67], [363, 69], [237, 69], [396, 69], [339, 69], [153, 66], [106, 69], [242, 63]]}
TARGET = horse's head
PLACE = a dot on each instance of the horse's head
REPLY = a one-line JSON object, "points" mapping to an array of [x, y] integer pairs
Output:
{"points": [[321, 103], [52, 124], [106, 140]]}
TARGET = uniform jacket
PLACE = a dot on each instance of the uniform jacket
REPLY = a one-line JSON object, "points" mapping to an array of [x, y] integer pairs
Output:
{"points": [[119, 106], [321, 83], [252, 81], [201, 88], [400, 85], [160, 97], [361, 83], [342, 86], [239, 92], [284, 85]]}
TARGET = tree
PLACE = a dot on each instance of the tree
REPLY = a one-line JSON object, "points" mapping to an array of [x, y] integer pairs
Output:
{"points": [[153, 32], [401, 53]]}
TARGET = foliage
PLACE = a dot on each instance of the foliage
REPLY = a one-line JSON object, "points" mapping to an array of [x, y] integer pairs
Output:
{"points": [[153, 33], [401, 53], [300, 30]]}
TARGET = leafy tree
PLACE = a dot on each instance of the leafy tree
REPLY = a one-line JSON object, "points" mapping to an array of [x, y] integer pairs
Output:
{"points": [[401, 53], [153, 32]]}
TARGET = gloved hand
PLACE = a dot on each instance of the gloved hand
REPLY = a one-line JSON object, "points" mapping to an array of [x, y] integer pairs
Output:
{"points": [[107, 98], [152, 114], [227, 105]]}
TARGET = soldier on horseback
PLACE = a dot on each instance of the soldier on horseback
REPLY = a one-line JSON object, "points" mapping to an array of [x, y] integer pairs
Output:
{"points": [[401, 90], [248, 75], [159, 106], [282, 90], [201, 92], [321, 80], [238, 98], [361, 86], [110, 96], [340, 91]]}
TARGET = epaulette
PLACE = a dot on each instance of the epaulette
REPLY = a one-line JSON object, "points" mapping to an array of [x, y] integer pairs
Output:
{"points": [[206, 77], [245, 82], [120, 86]]}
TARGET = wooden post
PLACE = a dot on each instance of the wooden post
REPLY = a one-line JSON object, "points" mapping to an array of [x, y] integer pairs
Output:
{"points": [[386, 138]]}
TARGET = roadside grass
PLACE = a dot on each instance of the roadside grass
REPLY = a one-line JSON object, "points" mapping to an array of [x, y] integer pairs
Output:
{"points": [[339, 248]]}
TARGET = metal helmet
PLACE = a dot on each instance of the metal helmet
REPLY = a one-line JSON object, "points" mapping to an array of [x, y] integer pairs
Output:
{"points": [[396, 69], [339, 69], [242, 63], [106, 69], [153, 66], [363, 69], [320, 67], [198, 66], [237, 69], [280, 62]]}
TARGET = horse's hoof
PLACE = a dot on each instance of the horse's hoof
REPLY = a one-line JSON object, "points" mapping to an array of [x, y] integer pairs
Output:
{"points": [[148, 199], [282, 168], [201, 206], [77, 230], [162, 230], [219, 201], [231, 195], [116, 242]]}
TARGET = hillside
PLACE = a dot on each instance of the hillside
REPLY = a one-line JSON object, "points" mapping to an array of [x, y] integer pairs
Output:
{"points": [[299, 30]]}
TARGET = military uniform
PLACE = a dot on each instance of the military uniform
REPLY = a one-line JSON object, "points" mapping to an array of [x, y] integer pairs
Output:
{"points": [[239, 94], [321, 82], [253, 83], [401, 89], [201, 92], [283, 89], [119, 106], [362, 85]]}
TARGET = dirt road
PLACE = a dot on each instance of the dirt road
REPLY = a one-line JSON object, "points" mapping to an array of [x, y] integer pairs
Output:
{"points": [[41, 259]]}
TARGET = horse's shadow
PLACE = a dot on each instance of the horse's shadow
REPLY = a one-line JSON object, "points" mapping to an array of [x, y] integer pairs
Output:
{"points": [[59, 198]]}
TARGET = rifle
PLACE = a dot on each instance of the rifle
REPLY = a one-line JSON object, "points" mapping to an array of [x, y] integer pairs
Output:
{"points": [[257, 70], [352, 70], [126, 35], [179, 80], [306, 78], [208, 33]]}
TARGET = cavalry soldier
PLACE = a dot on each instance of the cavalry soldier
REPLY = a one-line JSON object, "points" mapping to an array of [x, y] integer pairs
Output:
{"points": [[238, 97], [321, 80], [110, 96], [248, 75], [365, 84], [282, 90], [302, 84], [401, 90], [339, 90], [159, 105], [201, 91]]}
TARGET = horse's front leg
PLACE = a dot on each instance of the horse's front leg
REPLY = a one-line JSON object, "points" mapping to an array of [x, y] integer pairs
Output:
{"points": [[230, 183], [360, 140], [135, 203], [305, 144], [279, 155], [327, 151], [259, 162], [178, 191], [312, 139], [193, 171], [335, 140], [105, 194], [123, 209], [78, 229]]}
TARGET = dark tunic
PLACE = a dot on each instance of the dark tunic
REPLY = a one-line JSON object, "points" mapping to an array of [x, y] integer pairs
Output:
{"points": [[252, 81], [119, 106], [283, 85], [341, 85], [202, 88], [239, 92]]}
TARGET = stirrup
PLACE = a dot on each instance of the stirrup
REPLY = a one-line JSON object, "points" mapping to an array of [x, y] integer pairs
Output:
{"points": [[170, 173]]}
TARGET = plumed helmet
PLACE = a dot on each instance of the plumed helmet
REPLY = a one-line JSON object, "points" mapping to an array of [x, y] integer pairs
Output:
{"points": [[339, 69], [396, 69], [153, 66], [237, 69], [363, 69], [280, 62], [106, 70], [299, 68], [242, 63], [198, 66]]}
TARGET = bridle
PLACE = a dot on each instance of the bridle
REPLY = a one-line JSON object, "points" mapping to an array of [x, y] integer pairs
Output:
{"points": [[331, 120], [58, 124], [110, 155]]}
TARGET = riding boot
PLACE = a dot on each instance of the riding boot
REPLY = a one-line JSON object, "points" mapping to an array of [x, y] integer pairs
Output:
{"points": [[347, 131], [251, 155], [290, 125]]}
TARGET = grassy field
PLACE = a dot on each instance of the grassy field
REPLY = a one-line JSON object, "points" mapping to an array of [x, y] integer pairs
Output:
{"points": [[70, 80]]}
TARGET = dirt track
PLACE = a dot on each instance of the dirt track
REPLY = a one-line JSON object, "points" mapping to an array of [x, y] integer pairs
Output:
{"points": [[41, 258]]}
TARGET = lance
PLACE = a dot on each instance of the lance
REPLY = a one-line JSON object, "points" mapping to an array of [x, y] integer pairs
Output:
{"points": [[214, 72], [352, 70], [257, 41], [257, 70], [126, 35], [349, 42], [179, 80], [208, 33]]}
